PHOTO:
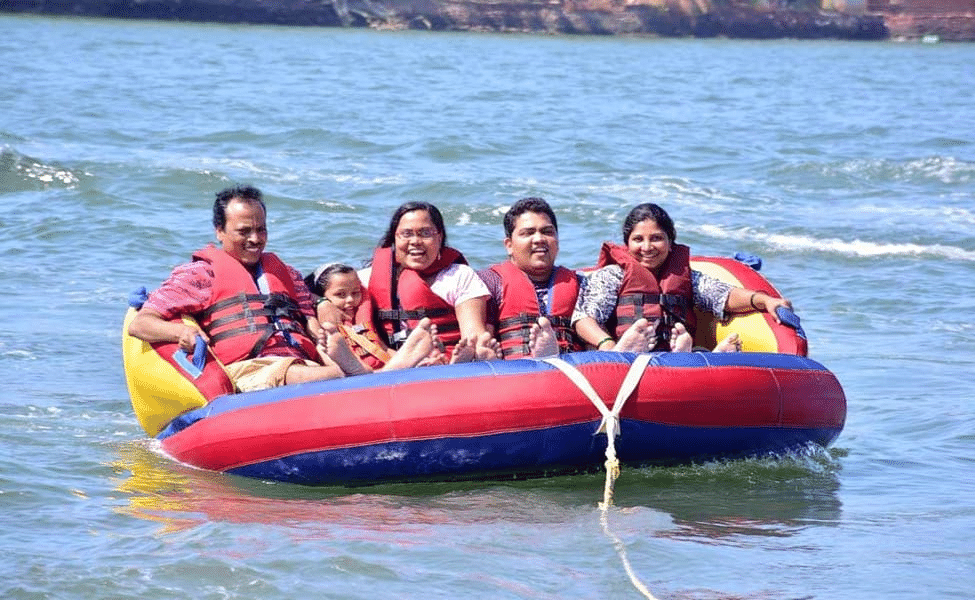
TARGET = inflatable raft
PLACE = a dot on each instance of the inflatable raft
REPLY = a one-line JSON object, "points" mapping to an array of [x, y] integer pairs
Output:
{"points": [[503, 419]]}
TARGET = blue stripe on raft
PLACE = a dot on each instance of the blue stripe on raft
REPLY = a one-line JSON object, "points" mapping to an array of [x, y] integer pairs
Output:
{"points": [[232, 402], [761, 360], [687, 444], [504, 454], [765, 360], [511, 455]]}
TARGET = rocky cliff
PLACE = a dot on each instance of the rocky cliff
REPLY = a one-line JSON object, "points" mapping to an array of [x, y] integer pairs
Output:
{"points": [[952, 20], [699, 18]]}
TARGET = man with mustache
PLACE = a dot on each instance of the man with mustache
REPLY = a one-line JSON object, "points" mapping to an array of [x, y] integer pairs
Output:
{"points": [[253, 310]]}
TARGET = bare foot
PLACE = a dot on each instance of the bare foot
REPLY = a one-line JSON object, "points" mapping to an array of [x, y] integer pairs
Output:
{"points": [[438, 354], [337, 349], [542, 340], [436, 357], [486, 347], [463, 352], [637, 338], [680, 339], [437, 344], [732, 343], [418, 345]]}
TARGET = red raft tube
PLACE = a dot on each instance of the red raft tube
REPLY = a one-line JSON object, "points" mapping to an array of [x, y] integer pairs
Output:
{"points": [[501, 419]]}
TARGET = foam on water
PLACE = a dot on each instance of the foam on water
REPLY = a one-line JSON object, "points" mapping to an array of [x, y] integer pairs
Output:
{"points": [[855, 247], [21, 173]]}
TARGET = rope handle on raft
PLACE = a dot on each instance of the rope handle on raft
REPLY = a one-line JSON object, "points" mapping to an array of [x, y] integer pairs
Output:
{"points": [[791, 319], [199, 358]]}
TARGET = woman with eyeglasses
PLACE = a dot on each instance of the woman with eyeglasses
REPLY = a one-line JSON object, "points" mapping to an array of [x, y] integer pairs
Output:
{"points": [[415, 274]]}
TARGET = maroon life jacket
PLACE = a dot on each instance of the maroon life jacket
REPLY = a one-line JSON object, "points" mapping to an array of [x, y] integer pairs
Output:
{"points": [[667, 296]]}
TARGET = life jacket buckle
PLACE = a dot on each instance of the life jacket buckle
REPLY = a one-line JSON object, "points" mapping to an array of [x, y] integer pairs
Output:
{"points": [[399, 337]]}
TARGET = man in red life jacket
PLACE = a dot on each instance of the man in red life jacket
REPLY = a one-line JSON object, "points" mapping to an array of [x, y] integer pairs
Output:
{"points": [[254, 311], [532, 300]]}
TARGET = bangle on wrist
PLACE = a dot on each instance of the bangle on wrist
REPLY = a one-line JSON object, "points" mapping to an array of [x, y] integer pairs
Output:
{"points": [[752, 300], [603, 341]]}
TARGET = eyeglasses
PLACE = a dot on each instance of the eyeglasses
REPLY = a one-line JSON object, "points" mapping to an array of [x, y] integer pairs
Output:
{"points": [[427, 233]]}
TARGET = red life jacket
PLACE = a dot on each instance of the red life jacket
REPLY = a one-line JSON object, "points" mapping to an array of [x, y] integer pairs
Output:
{"points": [[519, 309], [668, 297], [241, 321], [408, 298]]}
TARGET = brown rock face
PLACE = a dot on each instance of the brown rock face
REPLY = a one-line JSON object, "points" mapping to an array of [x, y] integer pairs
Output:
{"points": [[699, 18]]}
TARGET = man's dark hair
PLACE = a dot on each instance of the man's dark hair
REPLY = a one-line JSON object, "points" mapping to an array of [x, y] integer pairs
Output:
{"points": [[244, 193], [532, 204]]}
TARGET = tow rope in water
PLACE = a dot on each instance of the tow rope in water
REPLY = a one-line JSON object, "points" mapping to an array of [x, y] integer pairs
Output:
{"points": [[610, 425]]}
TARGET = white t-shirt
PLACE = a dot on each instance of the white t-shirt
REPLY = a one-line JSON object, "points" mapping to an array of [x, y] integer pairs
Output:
{"points": [[455, 284]]}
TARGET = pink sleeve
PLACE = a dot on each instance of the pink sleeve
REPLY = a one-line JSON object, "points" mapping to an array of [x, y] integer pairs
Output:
{"points": [[186, 292], [302, 292], [458, 283]]}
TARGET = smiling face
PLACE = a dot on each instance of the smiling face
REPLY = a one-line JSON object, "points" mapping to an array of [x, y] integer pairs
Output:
{"points": [[533, 245], [245, 233], [649, 244], [344, 290], [418, 241]]}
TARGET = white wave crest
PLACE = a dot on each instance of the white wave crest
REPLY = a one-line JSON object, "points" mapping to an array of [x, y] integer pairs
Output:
{"points": [[936, 214], [16, 353], [944, 169], [29, 168], [837, 246]]}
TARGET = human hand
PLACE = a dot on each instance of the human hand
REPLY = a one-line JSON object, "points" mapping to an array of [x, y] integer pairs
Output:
{"points": [[772, 304], [187, 338], [328, 312]]}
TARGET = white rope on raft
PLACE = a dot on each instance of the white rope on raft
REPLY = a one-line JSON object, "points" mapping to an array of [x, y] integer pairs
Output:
{"points": [[610, 425]]}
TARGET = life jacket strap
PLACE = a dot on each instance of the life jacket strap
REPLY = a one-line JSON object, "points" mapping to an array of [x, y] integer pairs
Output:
{"points": [[673, 305], [240, 298], [399, 337], [527, 319], [281, 312], [515, 331], [673, 310], [399, 314]]}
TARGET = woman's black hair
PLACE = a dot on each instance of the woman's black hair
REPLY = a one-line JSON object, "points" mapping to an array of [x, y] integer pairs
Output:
{"points": [[317, 281], [389, 237], [652, 212]]}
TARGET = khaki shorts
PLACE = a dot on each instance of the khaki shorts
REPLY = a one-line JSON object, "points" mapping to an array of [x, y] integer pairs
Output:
{"points": [[262, 373]]}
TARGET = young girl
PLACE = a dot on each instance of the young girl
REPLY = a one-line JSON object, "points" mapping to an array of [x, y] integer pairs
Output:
{"points": [[356, 347]]}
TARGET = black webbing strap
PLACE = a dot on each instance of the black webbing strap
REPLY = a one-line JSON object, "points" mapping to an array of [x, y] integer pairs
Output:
{"points": [[281, 311], [399, 314]]}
